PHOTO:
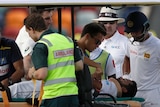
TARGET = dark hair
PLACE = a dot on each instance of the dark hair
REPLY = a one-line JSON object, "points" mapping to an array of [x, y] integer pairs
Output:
{"points": [[93, 29], [131, 89], [35, 21], [40, 9]]}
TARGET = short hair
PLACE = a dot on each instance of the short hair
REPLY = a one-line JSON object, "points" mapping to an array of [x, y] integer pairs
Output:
{"points": [[131, 89], [93, 29], [35, 21]]}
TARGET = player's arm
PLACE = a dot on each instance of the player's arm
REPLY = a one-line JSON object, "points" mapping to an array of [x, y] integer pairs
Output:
{"points": [[126, 65], [89, 62], [78, 58], [27, 64]]}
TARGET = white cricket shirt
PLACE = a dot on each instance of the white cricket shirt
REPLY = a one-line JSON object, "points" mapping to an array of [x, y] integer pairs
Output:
{"points": [[145, 63], [116, 46], [25, 42]]}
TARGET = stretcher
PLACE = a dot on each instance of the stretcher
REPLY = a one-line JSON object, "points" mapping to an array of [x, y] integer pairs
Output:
{"points": [[117, 102], [7, 101], [98, 102], [110, 101], [17, 102], [134, 102]]}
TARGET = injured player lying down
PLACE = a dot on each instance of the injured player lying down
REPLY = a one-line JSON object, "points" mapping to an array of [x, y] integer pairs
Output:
{"points": [[116, 87], [119, 87]]}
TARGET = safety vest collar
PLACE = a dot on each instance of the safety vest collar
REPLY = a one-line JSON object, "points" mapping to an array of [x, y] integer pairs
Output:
{"points": [[47, 41]]}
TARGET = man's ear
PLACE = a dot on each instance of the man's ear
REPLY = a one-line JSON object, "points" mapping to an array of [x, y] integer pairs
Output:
{"points": [[87, 35], [124, 90], [30, 28]]}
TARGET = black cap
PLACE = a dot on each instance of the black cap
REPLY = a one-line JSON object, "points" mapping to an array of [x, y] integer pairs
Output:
{"points": [[40, 9], [135, 21], [45, 7]]}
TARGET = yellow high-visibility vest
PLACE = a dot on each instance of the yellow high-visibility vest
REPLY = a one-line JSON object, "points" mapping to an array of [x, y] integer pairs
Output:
{"points": [[61, 80], [102, 60]]}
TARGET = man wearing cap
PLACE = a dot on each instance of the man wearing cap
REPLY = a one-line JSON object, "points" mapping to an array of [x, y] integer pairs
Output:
{"points": [[114, 42], [143, 56]]}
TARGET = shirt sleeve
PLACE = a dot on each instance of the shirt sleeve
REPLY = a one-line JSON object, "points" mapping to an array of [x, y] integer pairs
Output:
{"points": [[77, 54], [27, 47], [40, 56], [16, 54], [127, 52]]}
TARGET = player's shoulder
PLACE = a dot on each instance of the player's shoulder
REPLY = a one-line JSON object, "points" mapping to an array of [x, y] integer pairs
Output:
{"points": [[123, 37], [7, 41]]}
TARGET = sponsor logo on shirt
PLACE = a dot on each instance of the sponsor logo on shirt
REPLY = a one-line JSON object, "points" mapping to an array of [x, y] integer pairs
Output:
{"points": [[26, 49], [107, 82], [4, 69], [63, 53], [4, 48], [116, 47]]}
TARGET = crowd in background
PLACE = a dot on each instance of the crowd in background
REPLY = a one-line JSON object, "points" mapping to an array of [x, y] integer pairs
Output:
{"points": [[11, 18]]}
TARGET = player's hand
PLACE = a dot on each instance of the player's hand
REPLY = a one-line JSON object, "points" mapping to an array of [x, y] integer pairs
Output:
{"points": [[31, 72], [99, 70], [5, 82]]}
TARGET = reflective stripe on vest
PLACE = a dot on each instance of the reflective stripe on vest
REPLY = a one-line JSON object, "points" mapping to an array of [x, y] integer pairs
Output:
{"points": [[101, 59], [47, 41], [61, 80], [60, 64]]}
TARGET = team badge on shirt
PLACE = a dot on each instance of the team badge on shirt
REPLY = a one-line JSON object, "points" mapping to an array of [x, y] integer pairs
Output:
{"points": [[146, 56]]}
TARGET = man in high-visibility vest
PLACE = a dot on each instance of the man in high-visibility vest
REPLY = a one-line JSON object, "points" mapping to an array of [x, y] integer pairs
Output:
{"points": [[53, 60]]}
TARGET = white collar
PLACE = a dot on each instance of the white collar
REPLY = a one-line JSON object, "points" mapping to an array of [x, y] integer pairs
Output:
{"points": [[115, 36]]}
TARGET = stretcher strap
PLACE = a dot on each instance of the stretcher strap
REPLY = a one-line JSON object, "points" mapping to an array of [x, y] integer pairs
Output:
{"points": [[5, 99], [40, 94], [34, 89]]}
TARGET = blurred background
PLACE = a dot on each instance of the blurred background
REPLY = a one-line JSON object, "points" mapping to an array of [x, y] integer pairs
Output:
{"points": [[11, 18]]}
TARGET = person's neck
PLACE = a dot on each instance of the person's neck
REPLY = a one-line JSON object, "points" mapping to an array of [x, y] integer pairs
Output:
{"points": [[109, 36], [119, 89], [39, 34], [146, 36], [81, 45]]}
